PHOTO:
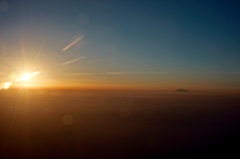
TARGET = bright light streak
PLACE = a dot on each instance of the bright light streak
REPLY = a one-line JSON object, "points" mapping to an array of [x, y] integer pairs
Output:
{"points": [[72, 43], [27, 77], [73, 60], [35, 73]]}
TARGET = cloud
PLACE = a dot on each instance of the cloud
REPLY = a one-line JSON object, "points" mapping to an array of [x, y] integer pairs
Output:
{"points": [[82, 74], [73, 60], [127, 73], [118, 73], [152, 72], [74, 42]]}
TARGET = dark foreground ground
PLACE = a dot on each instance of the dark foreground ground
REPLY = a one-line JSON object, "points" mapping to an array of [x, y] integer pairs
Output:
{"points": [[118, 124]]}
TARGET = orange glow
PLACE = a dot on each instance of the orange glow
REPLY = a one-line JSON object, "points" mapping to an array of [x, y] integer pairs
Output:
{"points": [[26, 77], [6, 85]]}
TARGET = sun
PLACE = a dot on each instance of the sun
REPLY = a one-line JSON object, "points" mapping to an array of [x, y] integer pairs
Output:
{"points": [[24, 80], [26, 77]]}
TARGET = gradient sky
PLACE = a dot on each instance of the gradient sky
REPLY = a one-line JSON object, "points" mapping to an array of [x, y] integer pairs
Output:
{"points": [[148, 43]]}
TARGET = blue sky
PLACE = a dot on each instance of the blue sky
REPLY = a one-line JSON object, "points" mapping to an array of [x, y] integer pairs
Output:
{"points": [[145, 42]]}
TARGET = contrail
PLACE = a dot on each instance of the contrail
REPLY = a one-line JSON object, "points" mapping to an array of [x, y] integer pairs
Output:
{"points": [[118, 73], [72, 43], [73, 60]]}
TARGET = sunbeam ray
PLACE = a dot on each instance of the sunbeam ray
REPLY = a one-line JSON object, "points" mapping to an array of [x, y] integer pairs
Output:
{"points": [[38, 53], [23, 53]]}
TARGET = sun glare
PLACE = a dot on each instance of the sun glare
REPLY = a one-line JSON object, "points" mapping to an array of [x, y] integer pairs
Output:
{"points": [[26, 77]]}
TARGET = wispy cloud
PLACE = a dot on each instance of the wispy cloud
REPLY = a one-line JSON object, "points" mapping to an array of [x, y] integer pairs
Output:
{"points": [[73, 60], [152, 72], [128, 73], [207, 72], [74, 42], [118, 73], [82, 74]]}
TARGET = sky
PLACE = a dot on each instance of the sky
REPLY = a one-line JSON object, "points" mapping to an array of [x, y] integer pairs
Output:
{"points": [[165, 44]]}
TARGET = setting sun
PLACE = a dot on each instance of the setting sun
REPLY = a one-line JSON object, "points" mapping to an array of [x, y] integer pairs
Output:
{"points": [[26, 77]]}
